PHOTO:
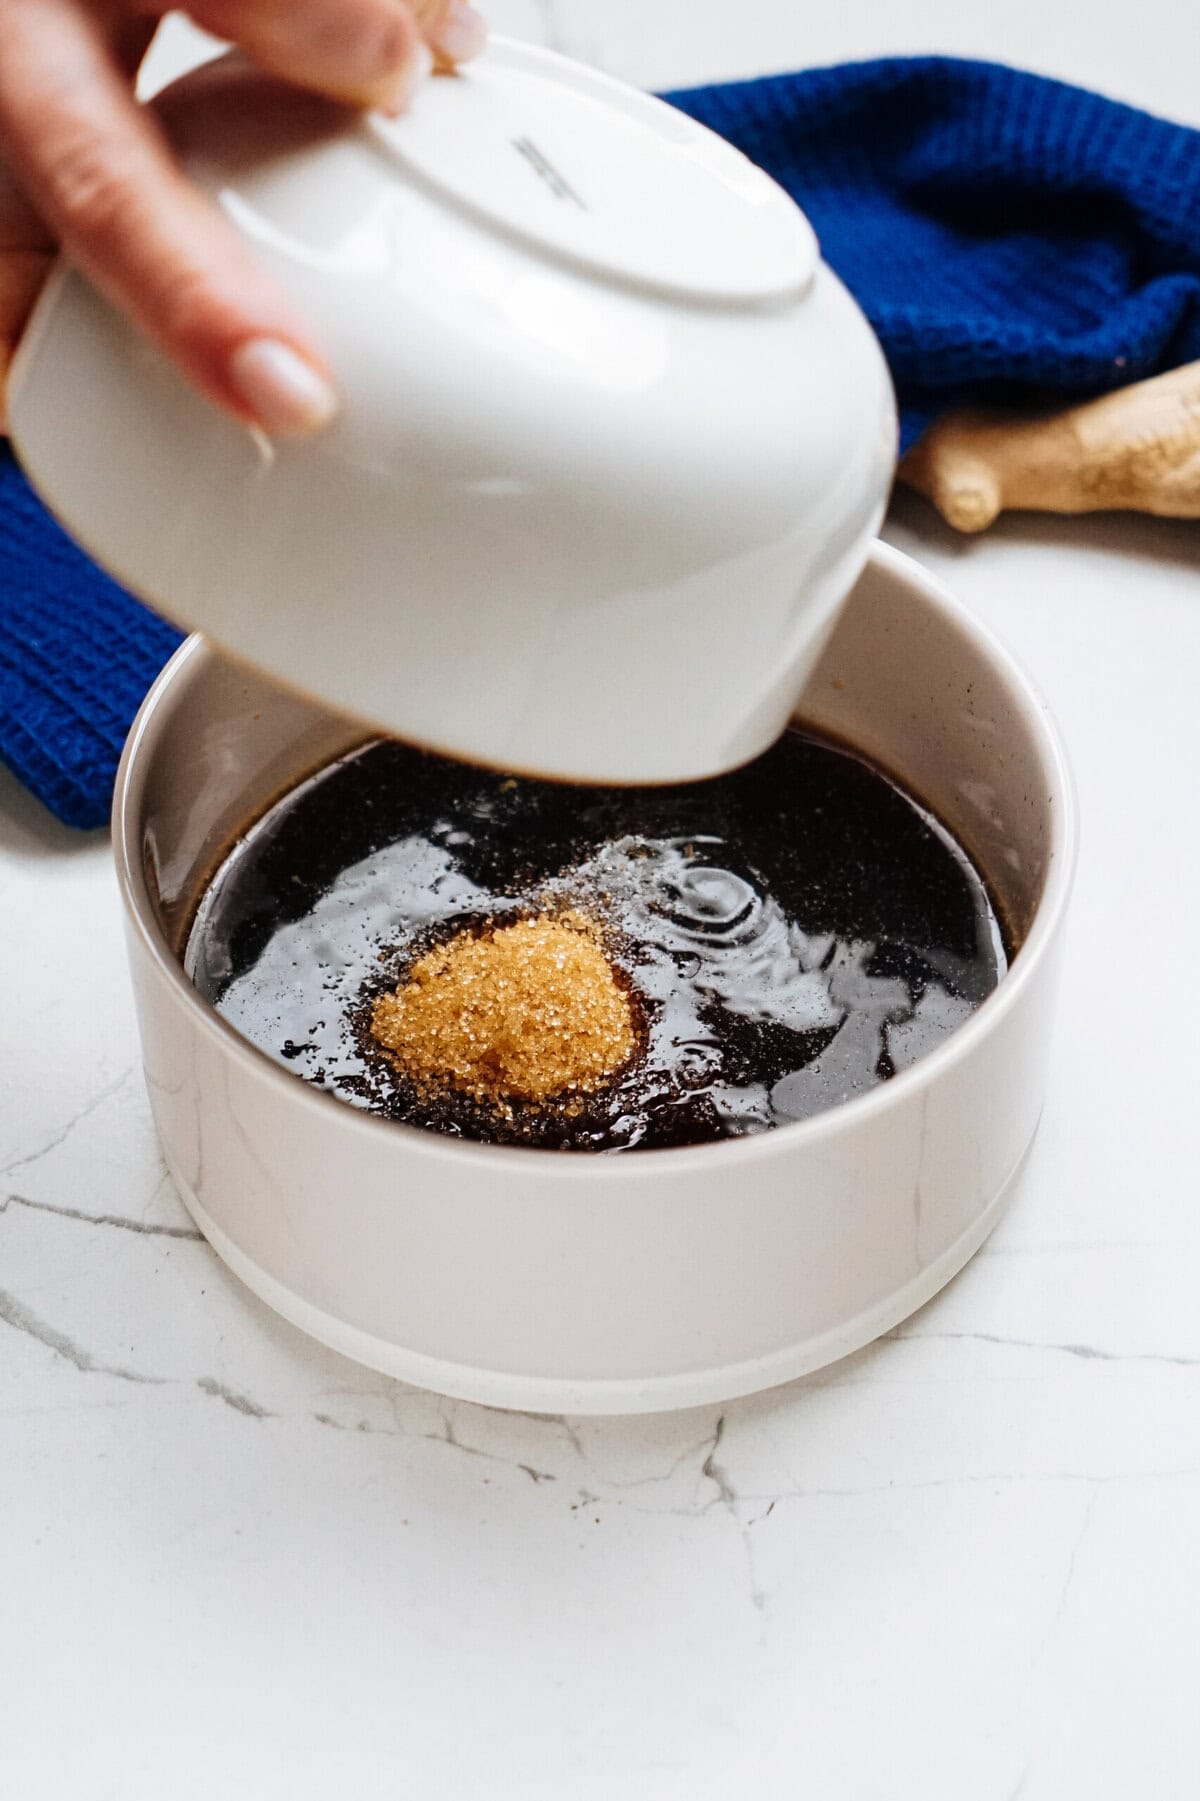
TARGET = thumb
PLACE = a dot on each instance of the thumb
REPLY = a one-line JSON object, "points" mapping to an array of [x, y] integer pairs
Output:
{"points": [[26, 252]]}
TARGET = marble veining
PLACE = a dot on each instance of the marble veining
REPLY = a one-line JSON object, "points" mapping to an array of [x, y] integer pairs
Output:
{"points": [[1067, 1350], [961, 1565], [151, 1228]]}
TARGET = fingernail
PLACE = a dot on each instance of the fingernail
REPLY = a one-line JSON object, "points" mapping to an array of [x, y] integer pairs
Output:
{"points": [[285, 394], [417, 70], [462, 33]]}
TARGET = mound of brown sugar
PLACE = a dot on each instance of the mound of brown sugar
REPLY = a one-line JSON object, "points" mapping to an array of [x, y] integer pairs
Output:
{"points": [[528, 1011]]}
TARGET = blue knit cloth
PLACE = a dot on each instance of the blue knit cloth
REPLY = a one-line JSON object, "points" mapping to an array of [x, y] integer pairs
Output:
{"points": [[1007, 236]]}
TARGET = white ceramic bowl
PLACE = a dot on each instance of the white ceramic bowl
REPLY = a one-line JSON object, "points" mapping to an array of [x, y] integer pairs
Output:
{"points": [[614, 441], [573, 1283]]}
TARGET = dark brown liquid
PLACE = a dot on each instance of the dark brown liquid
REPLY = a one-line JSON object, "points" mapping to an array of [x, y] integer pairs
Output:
{"points": [[794, 933]]}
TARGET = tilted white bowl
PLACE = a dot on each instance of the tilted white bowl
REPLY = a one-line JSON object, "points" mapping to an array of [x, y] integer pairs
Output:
{"points": [[654, 1279], [613, 447]]}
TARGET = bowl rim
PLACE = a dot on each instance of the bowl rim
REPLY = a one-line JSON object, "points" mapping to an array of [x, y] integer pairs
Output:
{"points": [[785, 1141]]}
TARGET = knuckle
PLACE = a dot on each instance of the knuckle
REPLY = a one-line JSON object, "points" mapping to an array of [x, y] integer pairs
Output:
{"points": [[89, 180]]}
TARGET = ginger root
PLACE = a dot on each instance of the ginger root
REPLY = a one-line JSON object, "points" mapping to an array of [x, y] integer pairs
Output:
{"points": [[1137, 449]]}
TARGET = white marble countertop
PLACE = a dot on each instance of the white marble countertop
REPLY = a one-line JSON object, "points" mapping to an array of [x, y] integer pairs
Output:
{"points": [[960, 1566]]}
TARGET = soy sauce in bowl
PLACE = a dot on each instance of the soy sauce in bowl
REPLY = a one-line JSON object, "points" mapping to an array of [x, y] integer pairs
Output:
{"points": [[790, 935]]}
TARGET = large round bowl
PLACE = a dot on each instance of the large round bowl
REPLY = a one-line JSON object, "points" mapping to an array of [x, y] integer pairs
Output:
{"points": [[655, 1279]]}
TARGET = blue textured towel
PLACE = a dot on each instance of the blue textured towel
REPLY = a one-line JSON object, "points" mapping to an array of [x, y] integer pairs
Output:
{"points": [[1007, 236]]}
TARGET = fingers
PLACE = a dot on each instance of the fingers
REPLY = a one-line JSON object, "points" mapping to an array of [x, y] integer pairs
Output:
{"points": [[22, 273], [452, 28], [20, 226], [99, 172], [364, 52], [26, 252]]}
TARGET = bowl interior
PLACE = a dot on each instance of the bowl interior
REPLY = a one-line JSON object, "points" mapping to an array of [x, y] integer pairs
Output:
{"points": [[907, 679]]}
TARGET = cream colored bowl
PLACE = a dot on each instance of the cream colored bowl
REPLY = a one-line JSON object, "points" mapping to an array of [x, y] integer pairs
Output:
{"points": [[654, 1279]]}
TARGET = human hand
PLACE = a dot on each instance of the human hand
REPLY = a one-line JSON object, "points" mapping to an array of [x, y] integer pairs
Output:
{"points": [[84, 167]]}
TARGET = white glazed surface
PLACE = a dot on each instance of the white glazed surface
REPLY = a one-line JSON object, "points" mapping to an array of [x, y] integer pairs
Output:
{"points": [[618, 1284], [962, 1563], [560, 438]]}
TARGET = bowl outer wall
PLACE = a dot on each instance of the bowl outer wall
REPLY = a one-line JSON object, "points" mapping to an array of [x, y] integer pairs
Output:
{"points": [[525, 1278]]}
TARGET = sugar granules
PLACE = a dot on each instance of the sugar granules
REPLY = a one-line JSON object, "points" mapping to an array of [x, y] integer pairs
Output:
{"points": [[531, 1011]]}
